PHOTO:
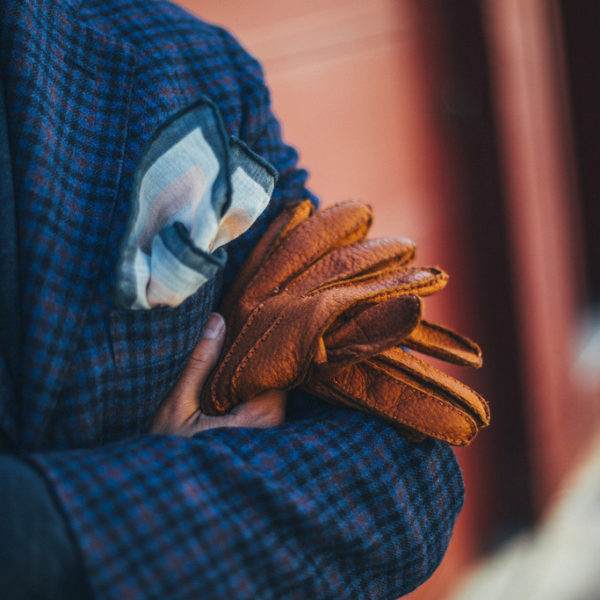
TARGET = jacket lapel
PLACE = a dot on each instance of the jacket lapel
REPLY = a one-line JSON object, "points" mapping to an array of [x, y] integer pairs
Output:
{"points": [[69, 90]]}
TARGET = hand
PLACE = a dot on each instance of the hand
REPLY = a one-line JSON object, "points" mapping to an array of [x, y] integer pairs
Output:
{"points": [[180, 414]]}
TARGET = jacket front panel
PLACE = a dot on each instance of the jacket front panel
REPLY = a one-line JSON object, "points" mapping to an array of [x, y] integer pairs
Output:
{"points": [[89, 86]]}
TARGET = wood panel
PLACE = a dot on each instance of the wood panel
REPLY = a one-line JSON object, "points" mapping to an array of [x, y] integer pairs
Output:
{"points": [[541, 202]]}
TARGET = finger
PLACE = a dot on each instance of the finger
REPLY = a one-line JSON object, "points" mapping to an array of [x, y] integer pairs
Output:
{"points": [[202, 361], [200, 422], [267, 409], [176, 414], [264, 410]]}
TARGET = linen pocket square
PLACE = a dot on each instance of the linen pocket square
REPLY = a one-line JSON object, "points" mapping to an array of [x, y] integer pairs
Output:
{"points": [[194, 190]]}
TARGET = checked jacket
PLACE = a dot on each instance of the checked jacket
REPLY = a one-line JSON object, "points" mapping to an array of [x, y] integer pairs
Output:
{"points": [[331, 504]]}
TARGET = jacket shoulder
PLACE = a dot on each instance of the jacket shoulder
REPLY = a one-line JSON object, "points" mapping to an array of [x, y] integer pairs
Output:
{"points": [[158, 28]]}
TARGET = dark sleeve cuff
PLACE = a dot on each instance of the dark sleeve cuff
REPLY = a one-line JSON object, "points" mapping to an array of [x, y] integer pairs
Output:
{"points": [[38, 556]]}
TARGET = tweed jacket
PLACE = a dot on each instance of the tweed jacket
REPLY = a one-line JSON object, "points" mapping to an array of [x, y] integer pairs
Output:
{"points": [[331, 504]]}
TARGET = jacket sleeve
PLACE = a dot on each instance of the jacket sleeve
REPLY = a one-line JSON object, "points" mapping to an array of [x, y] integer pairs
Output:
{"points": [[331, 504]]}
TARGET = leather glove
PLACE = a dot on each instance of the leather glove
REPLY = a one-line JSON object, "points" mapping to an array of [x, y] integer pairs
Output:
{"points": [[315, 301], [307, 274]]}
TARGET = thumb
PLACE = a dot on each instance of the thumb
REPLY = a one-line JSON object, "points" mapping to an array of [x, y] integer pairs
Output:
{"points": [[203, 359]]}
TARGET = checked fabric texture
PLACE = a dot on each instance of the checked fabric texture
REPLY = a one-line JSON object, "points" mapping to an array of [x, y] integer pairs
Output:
{"points": [[333, 503]]}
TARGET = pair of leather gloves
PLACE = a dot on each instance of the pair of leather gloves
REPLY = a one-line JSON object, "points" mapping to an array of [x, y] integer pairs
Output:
{"points": [[319, 306]]}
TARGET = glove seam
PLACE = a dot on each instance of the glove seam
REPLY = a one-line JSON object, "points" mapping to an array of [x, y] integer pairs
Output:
{"points": [[445, 389], [355, 228], [437, 433], [226, 359]]}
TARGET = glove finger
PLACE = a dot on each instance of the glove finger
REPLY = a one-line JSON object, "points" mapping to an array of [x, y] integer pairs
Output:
{"points": [[389, 282], [282, 225], [359, 334], [336, 226], [347, 262], [402, 365], [404, 402], [439, 341]]}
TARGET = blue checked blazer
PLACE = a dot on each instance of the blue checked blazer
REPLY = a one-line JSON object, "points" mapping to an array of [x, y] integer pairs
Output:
{"points": [[331, 504]]}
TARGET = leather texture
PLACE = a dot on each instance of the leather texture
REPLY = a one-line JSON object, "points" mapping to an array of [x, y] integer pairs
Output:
{"points": [[318, 305]]}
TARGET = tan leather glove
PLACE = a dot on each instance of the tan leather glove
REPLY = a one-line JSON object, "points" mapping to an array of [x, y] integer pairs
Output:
{"points": [[315, 299], [313, 275]]}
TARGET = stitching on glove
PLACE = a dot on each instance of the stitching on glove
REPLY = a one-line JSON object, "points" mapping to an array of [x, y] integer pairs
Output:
{"points": [[355, 228], [272, 326], [378, 275], [392, 259], [215, 397]]}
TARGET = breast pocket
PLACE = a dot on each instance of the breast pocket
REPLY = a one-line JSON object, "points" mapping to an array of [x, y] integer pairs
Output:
{"points": [[147, 339]]}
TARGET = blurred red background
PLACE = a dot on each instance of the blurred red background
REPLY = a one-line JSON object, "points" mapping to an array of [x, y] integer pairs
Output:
{"points": [[472, 128]]}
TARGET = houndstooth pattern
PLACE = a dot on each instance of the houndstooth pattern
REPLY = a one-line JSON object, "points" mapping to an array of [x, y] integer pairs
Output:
{"points": [[333, 503]]}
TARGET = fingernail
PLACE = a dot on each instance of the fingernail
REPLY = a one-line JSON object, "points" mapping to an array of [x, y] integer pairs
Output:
{"points": [[214, 326]]}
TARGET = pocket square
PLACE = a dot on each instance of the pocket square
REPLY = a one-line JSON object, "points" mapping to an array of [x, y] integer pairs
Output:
{"points": [[195, 190]]}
